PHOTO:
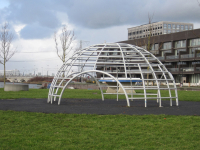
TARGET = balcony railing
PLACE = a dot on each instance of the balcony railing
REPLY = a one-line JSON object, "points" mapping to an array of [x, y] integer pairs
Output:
{"points": [[197, 68], [154, 51], [173, 69], [161, 58], [198, 55], [172, 57], [189, 69], [187, 56], [167, 64]]}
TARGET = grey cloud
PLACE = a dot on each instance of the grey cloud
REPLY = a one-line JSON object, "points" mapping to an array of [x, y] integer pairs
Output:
{"points": [[96, 14], [28, 12], [35, 32], [101, 14]]}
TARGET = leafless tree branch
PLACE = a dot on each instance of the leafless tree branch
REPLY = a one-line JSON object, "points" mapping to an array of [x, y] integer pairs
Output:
{"points": [[6, 53], [66, 40]]}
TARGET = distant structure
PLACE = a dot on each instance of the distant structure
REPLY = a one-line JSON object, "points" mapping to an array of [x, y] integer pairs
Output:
{"points": [[10, 72], [157, 28]]}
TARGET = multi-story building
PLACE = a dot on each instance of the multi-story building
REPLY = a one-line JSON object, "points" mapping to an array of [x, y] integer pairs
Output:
{"points": [[157, 28], [179, 52]]}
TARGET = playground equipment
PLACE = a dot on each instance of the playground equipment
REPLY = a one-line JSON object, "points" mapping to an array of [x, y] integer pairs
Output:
{"points": [[135, 72]]}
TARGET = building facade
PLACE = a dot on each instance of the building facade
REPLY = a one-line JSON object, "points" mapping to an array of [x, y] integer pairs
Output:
{"points": [[157, 28], [179, 52]]}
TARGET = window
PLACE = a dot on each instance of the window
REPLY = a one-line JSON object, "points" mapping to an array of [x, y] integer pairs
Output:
{"points": [[195, 42], [165, 26], [186, 27], [154, 47], [165, 32], [182, 27], [167, 45], [169, 26], [192, 50], [179, 44], [169, 31], [177, 27], [190, 27], [173, 26]]}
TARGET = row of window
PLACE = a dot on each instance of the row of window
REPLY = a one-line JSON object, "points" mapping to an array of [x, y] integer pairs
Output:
{"points": [[170, 31], [178, 44], [137, 37], [173, 26], [143, 31]]}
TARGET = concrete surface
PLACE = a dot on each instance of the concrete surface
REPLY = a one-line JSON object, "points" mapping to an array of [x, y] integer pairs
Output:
{"points": [[16, 87]]}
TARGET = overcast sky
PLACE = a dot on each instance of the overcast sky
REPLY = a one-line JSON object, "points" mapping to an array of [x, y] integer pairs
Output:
{"points": [[94, 21]]}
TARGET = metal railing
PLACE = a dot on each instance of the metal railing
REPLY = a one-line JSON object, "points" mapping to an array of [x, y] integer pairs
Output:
{"points": [[172, 57], [187, 56], [161, 58], [167, 64], [173, 69], [198, 55], [188, 69], [197, 68], [154, 51]]}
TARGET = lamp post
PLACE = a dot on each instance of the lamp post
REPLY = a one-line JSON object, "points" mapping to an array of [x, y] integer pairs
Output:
{"points": [[23, 71], [34, 70], [47, 70]]}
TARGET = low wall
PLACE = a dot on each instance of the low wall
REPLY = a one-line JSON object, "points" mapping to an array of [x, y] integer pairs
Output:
{"points": [[16, 87]]}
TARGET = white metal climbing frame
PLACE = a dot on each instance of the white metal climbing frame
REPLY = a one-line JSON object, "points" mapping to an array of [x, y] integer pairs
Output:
{"points": [[117, 61]]}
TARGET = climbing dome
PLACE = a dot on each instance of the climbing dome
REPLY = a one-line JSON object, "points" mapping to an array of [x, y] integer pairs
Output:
{"points": [[121, 69]]}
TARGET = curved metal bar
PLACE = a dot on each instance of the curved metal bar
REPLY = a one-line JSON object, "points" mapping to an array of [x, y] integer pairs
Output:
{"points": [[128, 103], [159, 94]]}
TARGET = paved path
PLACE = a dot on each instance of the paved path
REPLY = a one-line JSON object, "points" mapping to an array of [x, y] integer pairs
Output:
{"points": [[86, 106]]}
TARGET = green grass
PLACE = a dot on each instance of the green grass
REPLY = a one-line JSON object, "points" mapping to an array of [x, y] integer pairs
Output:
{"points": [[90, 94], [26, 130]]}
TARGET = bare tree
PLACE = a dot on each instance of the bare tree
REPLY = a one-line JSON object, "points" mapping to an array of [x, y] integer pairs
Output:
{"points": [[66, 39], [6, 53], [148, 46]]}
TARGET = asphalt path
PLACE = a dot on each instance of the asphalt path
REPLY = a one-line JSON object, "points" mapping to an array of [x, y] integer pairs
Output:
{"points": [[97, 106]]}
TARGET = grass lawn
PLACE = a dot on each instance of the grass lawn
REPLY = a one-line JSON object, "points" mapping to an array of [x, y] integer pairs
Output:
{"points": [[90, 94], [26, 130]]}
